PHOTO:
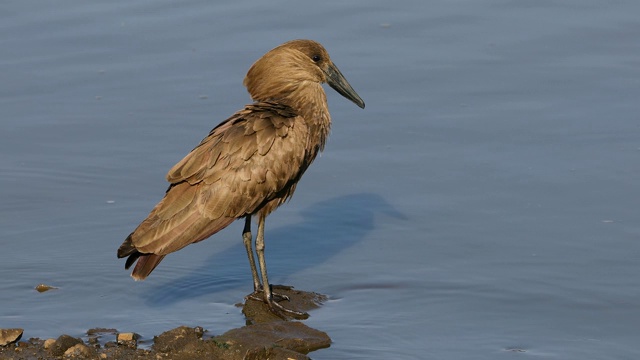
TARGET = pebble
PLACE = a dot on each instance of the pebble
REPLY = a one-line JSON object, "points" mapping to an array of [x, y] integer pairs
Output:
{"points": [[44, 287]]}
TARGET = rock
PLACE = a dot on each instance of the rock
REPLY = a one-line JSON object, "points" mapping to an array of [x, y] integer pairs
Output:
{"points": [[10, 336], [128, 339], [257, 311], [62, 344], [177, 339], [294, 336], [80, 350], [275, 340], [48, 343], [274, 353]]}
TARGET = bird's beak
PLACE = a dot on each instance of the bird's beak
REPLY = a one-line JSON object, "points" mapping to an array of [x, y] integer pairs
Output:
{"points": [[336, 80]]}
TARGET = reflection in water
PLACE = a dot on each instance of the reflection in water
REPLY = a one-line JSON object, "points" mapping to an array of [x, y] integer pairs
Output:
{"points": [[328, 227]]}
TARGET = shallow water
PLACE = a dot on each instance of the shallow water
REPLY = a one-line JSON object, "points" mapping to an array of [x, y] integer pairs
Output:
{"points": [[483, 205]]}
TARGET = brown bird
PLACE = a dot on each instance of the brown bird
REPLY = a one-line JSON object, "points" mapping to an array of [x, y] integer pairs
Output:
{"points": [[248, 165]]}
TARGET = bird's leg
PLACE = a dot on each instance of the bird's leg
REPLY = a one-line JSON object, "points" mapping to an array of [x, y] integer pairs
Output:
{"points": [[247, 240], [266, 288], [263, 265]]}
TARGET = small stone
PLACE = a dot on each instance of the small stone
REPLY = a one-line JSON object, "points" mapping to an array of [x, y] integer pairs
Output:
{"points": [[128, 339], [103, 356], [43, 287], [79, 350], [10, 336]]}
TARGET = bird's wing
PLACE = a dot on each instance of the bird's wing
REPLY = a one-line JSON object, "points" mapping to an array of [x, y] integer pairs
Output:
{"points": [[245, 162]]}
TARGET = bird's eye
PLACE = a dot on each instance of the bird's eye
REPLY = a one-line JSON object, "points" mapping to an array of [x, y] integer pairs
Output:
{"points": [[316, 58]]}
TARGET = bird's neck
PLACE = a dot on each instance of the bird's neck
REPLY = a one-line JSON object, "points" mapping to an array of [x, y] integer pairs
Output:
{"points": [[309, 101]]}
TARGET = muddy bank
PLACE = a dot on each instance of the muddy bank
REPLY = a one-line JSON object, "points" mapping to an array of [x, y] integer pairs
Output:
{"points": [[265, 336]]}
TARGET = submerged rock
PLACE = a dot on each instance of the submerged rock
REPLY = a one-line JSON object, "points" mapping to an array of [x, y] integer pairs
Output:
{"points": [[98, 336], [10, 336], [101, 331]]}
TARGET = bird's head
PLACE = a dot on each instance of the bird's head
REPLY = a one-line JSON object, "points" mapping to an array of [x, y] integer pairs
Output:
{"points": [[293, 67]]}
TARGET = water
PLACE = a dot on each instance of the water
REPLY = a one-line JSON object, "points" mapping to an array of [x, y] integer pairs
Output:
{"points": [[483, 205]]}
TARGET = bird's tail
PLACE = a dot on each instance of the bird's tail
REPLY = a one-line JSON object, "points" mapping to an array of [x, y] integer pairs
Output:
{"points": [[174, 223], [145, 265], [146, 262]]}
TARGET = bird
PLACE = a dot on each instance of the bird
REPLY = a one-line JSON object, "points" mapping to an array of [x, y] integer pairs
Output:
{"points": [[248, 165]]}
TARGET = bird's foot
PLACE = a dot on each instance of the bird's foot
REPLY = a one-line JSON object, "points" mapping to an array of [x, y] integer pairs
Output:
{"points": [[258, 294], [285, 313], [273, 302]]}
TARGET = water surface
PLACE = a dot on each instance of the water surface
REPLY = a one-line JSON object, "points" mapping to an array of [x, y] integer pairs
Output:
{"points": [[483, 205]]}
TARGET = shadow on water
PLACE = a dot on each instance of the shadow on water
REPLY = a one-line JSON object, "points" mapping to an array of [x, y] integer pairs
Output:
{"points": [[327, 228]]}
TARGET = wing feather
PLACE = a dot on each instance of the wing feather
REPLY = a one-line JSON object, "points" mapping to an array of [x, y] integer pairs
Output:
{"points": [[247, 161]]}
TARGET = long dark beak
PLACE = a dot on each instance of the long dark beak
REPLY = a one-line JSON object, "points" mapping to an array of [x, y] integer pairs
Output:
{"points": [[336, 80]]}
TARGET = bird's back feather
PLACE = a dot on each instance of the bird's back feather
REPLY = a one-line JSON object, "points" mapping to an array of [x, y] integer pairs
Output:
{"points": [[252, 159]]}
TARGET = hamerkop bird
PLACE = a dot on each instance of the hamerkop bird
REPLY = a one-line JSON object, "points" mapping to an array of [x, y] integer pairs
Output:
{"points": [[249, 164]]}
